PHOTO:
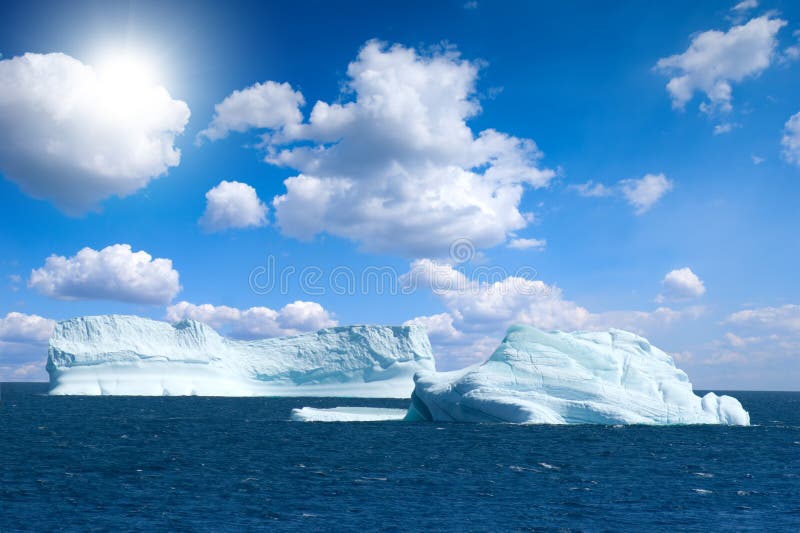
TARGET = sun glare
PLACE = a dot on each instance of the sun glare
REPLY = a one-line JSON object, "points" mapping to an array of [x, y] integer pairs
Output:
{"points": [[127, 71]]}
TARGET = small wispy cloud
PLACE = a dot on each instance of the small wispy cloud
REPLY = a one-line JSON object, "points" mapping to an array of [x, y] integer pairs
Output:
{"points": [[641, 193], [725, 127], [745, 5], [590, 189], [537, 245], [791, 53]]}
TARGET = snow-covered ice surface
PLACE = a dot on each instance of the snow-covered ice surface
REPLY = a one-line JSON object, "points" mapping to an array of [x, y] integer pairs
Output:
{"points": [[128, 355], [347, 414], [609, 377]]}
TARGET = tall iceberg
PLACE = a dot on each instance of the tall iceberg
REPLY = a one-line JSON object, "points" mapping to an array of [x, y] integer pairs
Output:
{"points": [[128, 355], [609, 377]]}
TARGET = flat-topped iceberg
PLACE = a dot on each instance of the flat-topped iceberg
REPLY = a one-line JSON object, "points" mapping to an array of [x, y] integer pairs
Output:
{"points": [[128, 355], [610, 377], [347, 414]]}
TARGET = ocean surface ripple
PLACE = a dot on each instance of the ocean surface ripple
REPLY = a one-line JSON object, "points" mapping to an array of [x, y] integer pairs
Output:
{"points": [[211, 464]]}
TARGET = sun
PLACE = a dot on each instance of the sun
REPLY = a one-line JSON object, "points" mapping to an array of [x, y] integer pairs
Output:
{"points": [[127, 81], [127, 71]]}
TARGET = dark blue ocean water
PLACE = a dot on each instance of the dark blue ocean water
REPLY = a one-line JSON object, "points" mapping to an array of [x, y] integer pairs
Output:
{"points": [[210, 464]]}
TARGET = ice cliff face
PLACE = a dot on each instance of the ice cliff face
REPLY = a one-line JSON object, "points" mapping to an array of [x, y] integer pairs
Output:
{"points": [[130, 355], [611, 377]]}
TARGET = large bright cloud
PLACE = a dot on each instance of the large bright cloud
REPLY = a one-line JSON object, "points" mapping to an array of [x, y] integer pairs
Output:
{"points": [[232, 204], [74, 137], [113, 273], [256, 322], [716, 59], [394, 166], [23, 346]]}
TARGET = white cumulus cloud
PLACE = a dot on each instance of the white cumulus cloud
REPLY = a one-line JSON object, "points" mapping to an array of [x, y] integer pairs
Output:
{"points": [[232, 204], [440, 327], [19, 327], [791, 139], [479, 309], [75, 137], [482, 304], [681, 284], [113, 273], [394, 165], [716, 59], [256, 322], [262, 105], [23, 346], [643, 193]]}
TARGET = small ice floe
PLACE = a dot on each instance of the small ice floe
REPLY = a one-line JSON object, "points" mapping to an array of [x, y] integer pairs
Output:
{"points": [[703, 491], [347, 414]]}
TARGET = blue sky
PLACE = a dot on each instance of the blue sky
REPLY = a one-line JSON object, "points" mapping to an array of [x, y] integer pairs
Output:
{"points": [[666, 210]]}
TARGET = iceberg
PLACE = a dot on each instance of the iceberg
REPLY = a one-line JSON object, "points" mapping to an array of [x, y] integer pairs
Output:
{"points": [[535, 377], [129, 355], [347, 414]]}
